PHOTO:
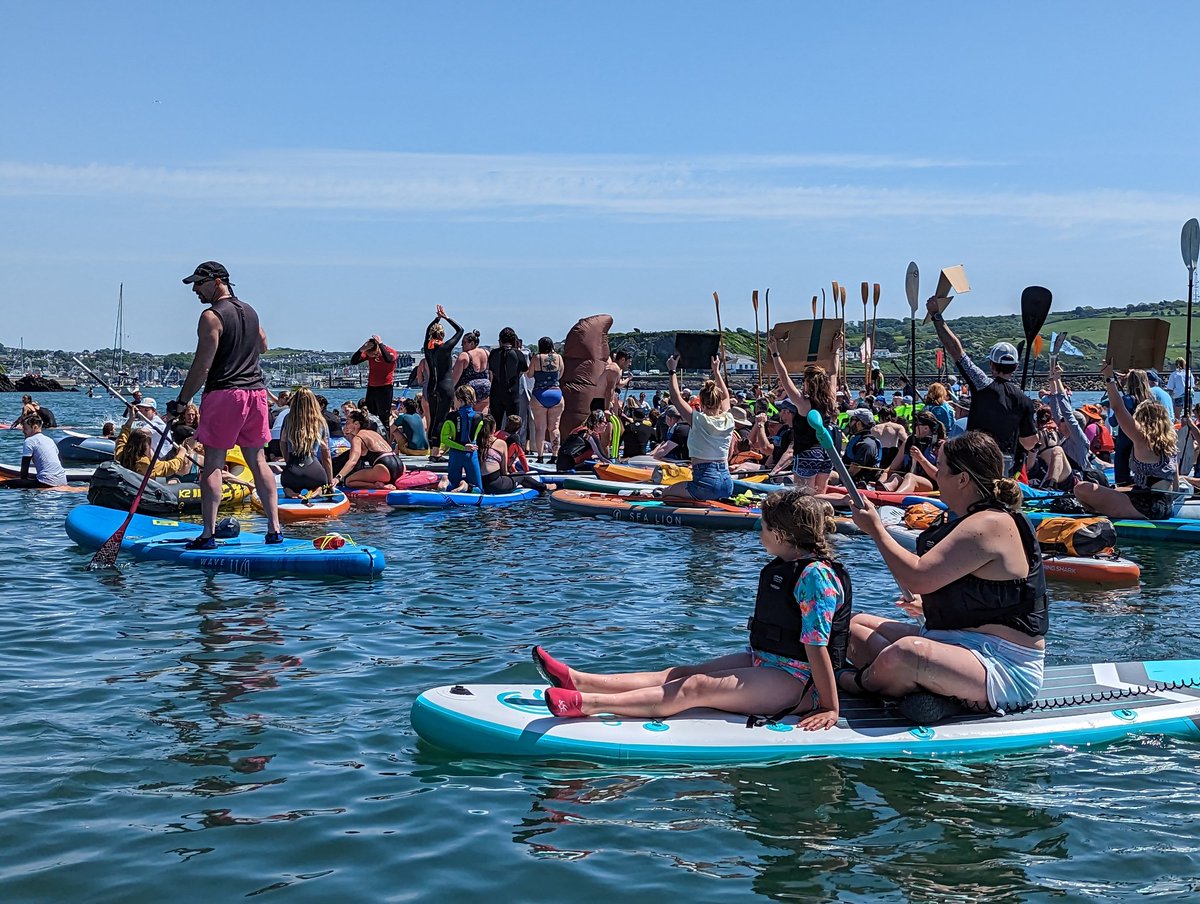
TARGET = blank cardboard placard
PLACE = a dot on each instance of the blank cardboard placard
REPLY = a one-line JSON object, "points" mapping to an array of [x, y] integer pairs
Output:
{"points": [[696, 350], [951, 279], [804, 342], [1139, 343]]}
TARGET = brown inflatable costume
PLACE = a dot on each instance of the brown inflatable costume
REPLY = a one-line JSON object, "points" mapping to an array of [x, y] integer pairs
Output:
{"points": [[585, 352]]}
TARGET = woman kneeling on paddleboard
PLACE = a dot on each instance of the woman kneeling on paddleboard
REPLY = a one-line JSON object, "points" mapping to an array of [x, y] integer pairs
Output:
{"points": [[798, 636], [709, 439], [978, 586]]}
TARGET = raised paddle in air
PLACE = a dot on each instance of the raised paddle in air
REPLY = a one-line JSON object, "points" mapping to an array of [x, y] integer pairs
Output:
{"points": [[1035, 308]]}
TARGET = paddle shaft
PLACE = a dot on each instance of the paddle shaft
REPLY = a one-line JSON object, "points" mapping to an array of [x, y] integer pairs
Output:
{"points": [[137, 411], [1187, 350], [721, 337], [757, 344], [912, 414], [106, 555]]}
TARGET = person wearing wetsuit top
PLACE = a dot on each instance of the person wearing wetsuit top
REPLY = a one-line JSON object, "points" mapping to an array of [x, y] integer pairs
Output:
{"points": [[460, 432], [381, 373], [979, 587], [439, 379], [506, 364], [998, 406]]}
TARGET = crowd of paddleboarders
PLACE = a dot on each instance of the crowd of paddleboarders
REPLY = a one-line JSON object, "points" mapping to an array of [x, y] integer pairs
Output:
{"points": [[500, 418]]}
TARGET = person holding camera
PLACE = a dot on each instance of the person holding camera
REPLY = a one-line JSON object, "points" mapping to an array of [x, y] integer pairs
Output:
{"points": [[381, 371]]}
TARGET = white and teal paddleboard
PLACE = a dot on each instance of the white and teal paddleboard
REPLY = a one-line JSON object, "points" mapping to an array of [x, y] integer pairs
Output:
{"points": [[1079, 704]]}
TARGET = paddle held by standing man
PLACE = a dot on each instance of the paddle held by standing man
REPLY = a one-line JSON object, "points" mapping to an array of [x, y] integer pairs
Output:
{"points": [[234, 408]]}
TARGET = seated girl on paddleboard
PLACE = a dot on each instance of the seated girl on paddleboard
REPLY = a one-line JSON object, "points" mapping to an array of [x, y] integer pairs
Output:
{"points": [[798, 637], [979, 588]]}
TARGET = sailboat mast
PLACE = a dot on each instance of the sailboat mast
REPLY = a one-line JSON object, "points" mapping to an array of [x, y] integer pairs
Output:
{"points": [[118, 334]]}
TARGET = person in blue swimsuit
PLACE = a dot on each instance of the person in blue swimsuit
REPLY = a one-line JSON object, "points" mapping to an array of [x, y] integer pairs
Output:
{"points": [[546, 406]]}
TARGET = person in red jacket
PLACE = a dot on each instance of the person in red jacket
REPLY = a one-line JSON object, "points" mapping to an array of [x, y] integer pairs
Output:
{"points": [[381, 371]]}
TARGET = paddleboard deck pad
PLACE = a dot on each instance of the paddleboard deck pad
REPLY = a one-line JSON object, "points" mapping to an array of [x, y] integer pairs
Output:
{"points": [[162, 539], [1079, 704], [308, 508]]}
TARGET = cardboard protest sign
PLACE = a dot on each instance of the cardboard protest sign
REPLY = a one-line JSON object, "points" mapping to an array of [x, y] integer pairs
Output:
{"points": [[696, 350], [1140, 343], [952, 279], [804, 342]]}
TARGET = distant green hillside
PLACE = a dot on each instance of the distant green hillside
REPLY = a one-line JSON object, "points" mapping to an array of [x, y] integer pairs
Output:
{"points": [[1087, 327]]}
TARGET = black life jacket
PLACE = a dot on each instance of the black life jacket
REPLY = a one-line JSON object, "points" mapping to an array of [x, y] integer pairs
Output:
{"points": [[574, 449], [777, 622], [971, 602]]}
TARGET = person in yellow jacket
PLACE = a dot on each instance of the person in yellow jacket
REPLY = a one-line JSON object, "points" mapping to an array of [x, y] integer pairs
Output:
{"points": [[133, 450]]}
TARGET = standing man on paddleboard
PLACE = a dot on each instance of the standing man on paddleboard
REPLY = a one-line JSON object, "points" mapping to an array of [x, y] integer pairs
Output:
{"points": [[234, 409]]}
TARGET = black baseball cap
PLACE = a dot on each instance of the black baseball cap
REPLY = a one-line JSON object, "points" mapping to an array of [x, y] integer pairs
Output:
{"points": [[208, 270]]}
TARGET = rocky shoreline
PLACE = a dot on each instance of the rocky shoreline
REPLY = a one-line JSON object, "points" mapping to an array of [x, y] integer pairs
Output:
{"points": [[31, 384]]}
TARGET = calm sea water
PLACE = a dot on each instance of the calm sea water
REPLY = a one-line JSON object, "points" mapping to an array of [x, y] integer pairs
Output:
{"points": [[168, 734]]}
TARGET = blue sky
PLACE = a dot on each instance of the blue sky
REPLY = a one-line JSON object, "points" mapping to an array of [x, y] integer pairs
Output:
{"points": [[527, 164]]}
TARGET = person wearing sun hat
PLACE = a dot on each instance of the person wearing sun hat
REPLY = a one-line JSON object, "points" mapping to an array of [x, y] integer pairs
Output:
{"points": [[999, 408]]}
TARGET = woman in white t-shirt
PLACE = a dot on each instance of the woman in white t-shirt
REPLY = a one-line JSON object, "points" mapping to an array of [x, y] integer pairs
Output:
{"points": [[709, 439]]}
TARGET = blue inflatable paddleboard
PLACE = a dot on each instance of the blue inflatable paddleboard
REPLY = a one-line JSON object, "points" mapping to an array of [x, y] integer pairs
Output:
{"points": [[162, 539], [436, 499], [1079, 704]]}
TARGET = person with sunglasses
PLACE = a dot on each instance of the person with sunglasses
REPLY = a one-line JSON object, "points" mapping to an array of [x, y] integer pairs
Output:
{"points": [[978, 593], [234, 408]]}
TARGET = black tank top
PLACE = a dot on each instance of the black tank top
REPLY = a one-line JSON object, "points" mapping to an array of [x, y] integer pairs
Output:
{"points": [[235, 365]]}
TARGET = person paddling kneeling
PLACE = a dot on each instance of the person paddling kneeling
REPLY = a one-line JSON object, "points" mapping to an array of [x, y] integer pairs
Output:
{"points": [[979, 587], [798, 637]]}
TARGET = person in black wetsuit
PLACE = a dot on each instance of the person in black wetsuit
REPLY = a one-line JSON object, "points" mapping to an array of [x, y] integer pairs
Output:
{"points": [[506, 364], [439, 382]]}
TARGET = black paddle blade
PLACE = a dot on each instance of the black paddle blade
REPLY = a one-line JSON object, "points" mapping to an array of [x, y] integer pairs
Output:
{"points": [[1035, 308]]}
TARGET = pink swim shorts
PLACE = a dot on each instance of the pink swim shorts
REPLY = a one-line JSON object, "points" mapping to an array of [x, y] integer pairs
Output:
{"points": [[234, 417]]}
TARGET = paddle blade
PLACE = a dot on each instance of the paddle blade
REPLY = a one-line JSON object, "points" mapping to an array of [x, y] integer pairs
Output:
{"points": [[876, 294], [835, 291], [843, 297], [912, 285], [106, 555], [1037, 345], [814, 303], [1035, 308], [866, 292], [754, 300], [1189, 243], [1057, 343]]}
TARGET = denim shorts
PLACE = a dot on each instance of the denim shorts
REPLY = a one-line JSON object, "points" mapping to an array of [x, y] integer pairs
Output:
{"points": [[1014, 672], [710, 480]]}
